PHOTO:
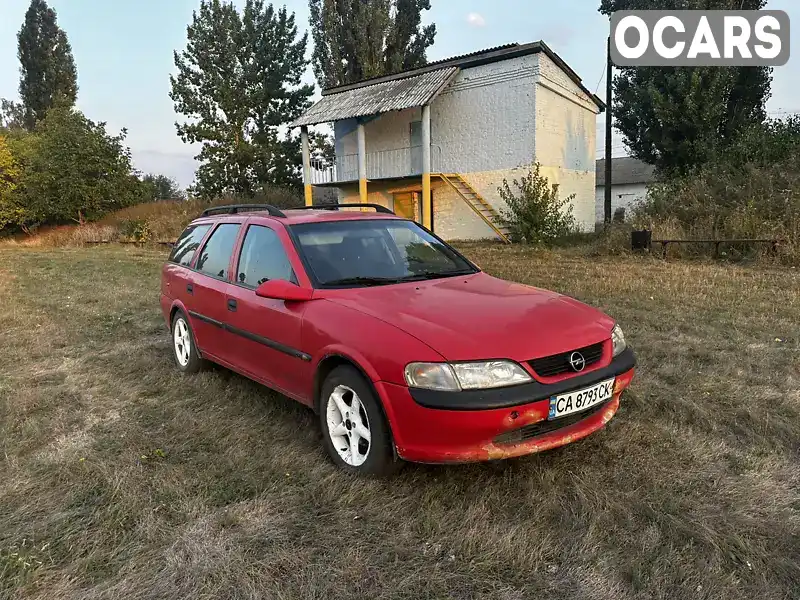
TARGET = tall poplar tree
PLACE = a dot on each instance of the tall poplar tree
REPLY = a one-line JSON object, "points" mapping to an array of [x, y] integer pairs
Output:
{"points": [[359, 39], [48, 73]]}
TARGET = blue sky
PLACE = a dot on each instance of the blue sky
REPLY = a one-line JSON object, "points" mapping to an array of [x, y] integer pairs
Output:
{"points": [[123, 50]]}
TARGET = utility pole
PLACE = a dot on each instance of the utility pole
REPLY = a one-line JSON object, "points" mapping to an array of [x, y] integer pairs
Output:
{"points": [[609, 130]]}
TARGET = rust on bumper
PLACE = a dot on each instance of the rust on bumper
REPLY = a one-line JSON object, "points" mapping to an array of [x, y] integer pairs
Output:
{"points": [[546, 441]]}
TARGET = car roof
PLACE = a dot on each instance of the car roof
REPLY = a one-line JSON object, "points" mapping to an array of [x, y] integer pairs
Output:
{"points": [[297, 217]]}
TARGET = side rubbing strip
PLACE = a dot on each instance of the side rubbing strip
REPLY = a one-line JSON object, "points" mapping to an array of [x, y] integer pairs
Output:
{"points": [[269, 343], [206, 319], [254, 338]]}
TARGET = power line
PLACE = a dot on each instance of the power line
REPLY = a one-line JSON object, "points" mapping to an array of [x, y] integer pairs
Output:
{"points": [[602, 76]]}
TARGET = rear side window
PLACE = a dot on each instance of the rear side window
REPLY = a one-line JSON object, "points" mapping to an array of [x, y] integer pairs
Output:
{"points": [[263, 258], [216, 254], [187, 244]]}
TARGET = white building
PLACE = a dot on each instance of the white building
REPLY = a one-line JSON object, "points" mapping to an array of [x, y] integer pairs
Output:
{"points": [[435, 143], [630, 180]]}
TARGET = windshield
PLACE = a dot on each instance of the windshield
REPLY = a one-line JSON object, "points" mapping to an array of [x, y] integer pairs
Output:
{"points": [[375, 252]]}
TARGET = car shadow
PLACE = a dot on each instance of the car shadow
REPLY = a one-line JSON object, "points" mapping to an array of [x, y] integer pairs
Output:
{"points": [[294, 415]]}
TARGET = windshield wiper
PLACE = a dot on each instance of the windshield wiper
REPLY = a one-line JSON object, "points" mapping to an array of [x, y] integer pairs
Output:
{"points": [[364, 281], [372, 281], [437, 275]]}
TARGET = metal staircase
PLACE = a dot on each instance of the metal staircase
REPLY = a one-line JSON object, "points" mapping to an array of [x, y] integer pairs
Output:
{"points": [[479, 204]]}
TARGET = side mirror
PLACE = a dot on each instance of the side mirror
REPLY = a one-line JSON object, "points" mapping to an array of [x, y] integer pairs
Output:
{"points": [[278, 289]]}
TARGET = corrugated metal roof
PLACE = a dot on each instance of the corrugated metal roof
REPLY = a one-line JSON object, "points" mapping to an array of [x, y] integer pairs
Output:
{"points": [[474, 59], [460, 57], [398, 94]]}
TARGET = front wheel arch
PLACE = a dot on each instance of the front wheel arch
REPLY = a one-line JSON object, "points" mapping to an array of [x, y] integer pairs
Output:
{"points": [[326, 367]]}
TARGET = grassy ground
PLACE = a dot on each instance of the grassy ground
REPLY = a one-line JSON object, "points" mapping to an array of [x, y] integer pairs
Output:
{"points": [[119, 478]]}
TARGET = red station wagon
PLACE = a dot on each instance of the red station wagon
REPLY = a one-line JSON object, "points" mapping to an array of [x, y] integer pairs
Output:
{"points": [[404, 348]]}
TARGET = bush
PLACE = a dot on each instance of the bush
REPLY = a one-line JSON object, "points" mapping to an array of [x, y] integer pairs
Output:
{"points": [[70, 169], [9, 178], [136, 230], [280, 197], [161, 221], [752, 192], [535, 214]]}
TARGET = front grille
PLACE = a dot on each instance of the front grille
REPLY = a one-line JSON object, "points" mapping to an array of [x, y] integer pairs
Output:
{"points": [[550, 366], [528, 432]]}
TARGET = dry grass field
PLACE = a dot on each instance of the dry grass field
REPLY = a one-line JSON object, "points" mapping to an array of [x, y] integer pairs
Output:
{"points": [[120, 478]]}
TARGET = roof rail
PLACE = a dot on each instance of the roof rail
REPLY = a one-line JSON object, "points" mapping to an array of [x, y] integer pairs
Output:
{"points": [[378, 208], [237, 208]]}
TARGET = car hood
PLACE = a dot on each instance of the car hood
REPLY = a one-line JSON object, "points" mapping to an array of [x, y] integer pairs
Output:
{"points": [[480, 317]]}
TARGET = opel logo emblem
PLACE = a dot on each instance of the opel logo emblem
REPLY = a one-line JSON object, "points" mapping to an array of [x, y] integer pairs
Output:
{"points": [[577, 362]]}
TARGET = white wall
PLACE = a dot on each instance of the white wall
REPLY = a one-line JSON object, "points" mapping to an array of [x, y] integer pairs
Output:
{"points": [[485, 119], [622, 196], [566, 133]]}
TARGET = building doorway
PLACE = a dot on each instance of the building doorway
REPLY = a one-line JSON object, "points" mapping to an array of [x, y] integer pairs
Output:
{"points": [[408, 205]]}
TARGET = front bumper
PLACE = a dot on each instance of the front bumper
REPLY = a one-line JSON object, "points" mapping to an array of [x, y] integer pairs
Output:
{"points": [[478, 426]]}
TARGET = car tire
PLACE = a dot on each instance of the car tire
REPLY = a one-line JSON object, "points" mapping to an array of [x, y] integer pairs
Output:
{"points": [[184, 349], [358, 441]]}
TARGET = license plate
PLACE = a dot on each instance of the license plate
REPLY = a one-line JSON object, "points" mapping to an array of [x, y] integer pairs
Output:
{"points": [[580, 400]]}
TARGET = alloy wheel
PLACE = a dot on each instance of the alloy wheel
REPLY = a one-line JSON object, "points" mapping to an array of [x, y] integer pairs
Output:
{"points": [[182, 341], [348, 426]]}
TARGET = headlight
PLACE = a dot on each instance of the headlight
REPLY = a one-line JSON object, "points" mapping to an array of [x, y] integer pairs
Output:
{"points": [[432, 376], [618, 339], [465, 376]]}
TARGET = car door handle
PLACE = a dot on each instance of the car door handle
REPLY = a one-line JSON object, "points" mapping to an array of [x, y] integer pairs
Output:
{"points": [[232, 305], [190, 289]]}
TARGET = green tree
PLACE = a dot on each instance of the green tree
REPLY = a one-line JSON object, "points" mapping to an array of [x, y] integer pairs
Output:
{"points": [[408, 41], [12, 115], [9, 177], [359, 39], [48, 73], [75, 171], [535, 214], [679, 118], [16, 148], [161, 187], [239, 83]]}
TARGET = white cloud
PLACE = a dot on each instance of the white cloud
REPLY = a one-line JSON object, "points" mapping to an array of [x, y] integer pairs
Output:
{"points": [[476, 19]]}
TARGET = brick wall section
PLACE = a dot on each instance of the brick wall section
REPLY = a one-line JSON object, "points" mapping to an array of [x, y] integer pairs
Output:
{"points": [[484, 121]]}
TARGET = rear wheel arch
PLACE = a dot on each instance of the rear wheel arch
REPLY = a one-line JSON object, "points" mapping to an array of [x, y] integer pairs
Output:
{"points": [[178, 307], [172, 312]]}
